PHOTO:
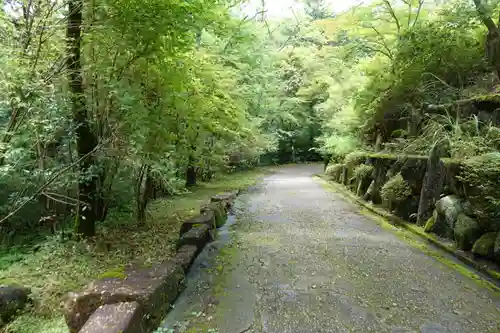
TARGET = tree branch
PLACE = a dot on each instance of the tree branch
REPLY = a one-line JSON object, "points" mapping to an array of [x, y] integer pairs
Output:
{"points": [[485, 17], [378, 51], [419, 9], [393, 14], [47, 183], [383, 43]]}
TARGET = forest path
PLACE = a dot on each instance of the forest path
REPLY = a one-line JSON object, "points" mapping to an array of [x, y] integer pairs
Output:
{"points": [[302, 259]]}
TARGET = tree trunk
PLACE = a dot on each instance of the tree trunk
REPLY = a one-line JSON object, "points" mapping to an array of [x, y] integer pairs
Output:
{"points": [[144, 192], [191, 173], [492, 46], [378, 142], [326, 161], [432, 186], [85, 139]]}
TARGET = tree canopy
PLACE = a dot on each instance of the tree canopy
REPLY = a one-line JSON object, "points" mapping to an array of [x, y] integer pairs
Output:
{"points": [[103, 103]]}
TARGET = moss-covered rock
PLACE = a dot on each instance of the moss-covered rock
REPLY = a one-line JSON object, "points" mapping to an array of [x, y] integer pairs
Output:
{"points": [[395, 191], [363, 171], [485, 245], [413, 172], [12, 300], [480, 176], [363, 175], [447, 210], [354, 159], [466, 232], [219, 211], [496, 249]]}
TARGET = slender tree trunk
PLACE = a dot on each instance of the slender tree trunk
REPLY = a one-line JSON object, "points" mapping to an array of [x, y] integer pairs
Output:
{"points": [[145, 191], [492, 38], [85, 139], [191, 173]]}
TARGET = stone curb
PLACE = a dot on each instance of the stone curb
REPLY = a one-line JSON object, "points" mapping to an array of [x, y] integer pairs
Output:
{"points": [[491, 274], [138, 301]]}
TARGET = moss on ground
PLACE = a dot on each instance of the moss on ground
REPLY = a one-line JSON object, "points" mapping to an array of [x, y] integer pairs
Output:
{"points": [[28, 323], [56, 267], [118, 273], [220, 268], [429, 225]]}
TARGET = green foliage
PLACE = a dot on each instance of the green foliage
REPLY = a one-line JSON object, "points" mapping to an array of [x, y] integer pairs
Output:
{"points": [[354, 159], [317, 9], [395, 189], [480, 176], [168, 85], [334, 170], [219, 212], [363, 171], [56, 267], [383, 61], [429, 225], [115, 273], [485, 245]]}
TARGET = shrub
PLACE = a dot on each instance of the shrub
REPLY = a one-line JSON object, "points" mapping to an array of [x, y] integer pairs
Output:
{"points": [[334, 170], [354, 159], [396, 189], [480, 176], [363, 171]]}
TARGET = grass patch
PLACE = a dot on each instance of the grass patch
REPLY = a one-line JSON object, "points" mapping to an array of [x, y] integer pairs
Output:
{"points": [[58, 267], [29, 323]]}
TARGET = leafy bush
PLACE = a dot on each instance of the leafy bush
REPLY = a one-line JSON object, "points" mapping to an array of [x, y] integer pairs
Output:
{"points": [[362, 171], [396, 189], [334, 170], [480, 176], [354, 159], [338, 145]]}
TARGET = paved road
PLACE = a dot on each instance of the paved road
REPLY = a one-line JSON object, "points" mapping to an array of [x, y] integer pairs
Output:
{"points": [[301, 259]]}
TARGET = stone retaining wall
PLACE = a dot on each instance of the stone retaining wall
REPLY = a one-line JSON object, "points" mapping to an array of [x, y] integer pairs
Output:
{"points": [[137, 301], [431, 194]]}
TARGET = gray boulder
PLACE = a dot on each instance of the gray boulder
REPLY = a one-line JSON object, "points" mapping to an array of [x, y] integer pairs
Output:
{"points": [[467, 231]]}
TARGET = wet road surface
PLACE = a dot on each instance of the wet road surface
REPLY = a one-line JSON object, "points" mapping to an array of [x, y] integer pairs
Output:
{"points": [[299, 258]]}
